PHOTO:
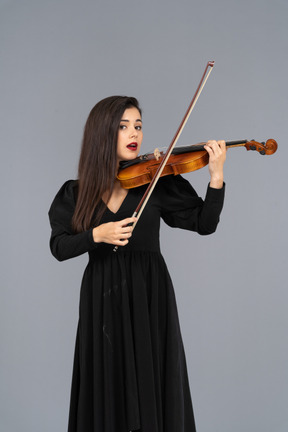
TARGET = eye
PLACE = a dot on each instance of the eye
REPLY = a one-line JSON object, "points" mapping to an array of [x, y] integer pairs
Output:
{"points": [[122, 126], [139, 127]]}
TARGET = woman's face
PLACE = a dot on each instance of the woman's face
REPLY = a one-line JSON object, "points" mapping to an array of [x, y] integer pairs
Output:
{"points": [[130, 135]]}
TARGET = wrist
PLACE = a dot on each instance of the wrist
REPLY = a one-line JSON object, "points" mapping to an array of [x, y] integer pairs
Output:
{"points": [[96, 236], [217, 182]]}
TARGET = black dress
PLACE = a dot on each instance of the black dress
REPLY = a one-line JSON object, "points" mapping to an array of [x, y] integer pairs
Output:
{"points": [[129, 368]]}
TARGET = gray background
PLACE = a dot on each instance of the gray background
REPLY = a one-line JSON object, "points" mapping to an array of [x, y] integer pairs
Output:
{"points": [[58, 58]]}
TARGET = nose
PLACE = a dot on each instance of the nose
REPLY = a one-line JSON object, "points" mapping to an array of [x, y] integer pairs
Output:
{"points": [[134, 133]]}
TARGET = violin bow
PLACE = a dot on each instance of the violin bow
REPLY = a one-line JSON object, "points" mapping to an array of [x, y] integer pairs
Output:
{"points": [[137, 213]]}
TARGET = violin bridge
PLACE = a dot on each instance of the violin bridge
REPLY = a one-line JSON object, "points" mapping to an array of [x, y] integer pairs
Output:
{"points": [[157, 154]]}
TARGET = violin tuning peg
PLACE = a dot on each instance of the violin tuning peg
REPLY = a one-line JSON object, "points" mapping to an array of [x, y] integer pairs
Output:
{"points": [[263, 152], [252, 147]]}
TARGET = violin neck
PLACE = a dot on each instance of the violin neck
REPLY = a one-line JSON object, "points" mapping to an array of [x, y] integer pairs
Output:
{"points": [[239, 143], [200, 146]]}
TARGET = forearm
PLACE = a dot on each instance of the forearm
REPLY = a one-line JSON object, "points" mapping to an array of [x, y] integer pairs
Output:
{"points": [[209, 215], [65, 246]]}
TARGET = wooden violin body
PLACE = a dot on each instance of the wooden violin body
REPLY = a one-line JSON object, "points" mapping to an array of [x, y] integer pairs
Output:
{"points": [[141, 170]]}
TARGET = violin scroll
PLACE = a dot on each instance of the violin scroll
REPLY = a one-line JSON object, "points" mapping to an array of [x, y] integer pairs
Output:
{"points": [[263, 148]]}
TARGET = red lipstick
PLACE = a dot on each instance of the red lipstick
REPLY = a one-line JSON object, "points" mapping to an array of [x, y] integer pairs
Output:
{"points": [[132, 146]]}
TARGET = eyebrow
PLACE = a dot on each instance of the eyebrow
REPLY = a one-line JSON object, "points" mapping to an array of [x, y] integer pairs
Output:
{"points": [[137, 120]]}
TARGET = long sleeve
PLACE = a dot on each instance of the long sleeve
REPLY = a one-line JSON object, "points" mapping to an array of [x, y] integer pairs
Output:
{"points": [[182, 208], [64, 244]]}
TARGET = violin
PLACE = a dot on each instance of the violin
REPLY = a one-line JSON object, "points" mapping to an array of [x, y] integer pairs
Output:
{"points": [[142, 169]]}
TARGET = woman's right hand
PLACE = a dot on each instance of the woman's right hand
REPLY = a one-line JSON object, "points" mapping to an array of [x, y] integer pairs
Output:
{"points": [[116, 233]]}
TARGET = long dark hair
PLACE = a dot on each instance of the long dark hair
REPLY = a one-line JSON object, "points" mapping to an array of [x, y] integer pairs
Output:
{"points": [[98, 159]]}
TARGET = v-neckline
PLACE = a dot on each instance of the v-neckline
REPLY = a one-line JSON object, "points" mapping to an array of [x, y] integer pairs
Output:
{"points": [[119, 208]]}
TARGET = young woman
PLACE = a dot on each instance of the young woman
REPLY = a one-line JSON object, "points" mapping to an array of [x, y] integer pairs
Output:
{"points": [[129, 368]]}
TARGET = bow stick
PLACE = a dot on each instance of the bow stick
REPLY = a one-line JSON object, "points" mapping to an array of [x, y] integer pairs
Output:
{"points": [[158, 173]]}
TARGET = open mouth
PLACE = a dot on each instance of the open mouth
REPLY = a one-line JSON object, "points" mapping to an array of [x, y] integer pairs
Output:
{"points": [[132, 146]]}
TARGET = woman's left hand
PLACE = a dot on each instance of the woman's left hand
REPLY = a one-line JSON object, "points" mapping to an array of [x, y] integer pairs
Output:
{"points": [[217, 156]]}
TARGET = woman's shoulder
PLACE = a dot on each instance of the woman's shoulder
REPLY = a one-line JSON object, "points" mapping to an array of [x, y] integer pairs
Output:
{"points": [[68, 186], [66, 195], [68, 189]]}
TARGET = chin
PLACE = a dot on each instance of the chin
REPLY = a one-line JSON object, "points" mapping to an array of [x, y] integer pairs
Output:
{"points": [[130, 157]]}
